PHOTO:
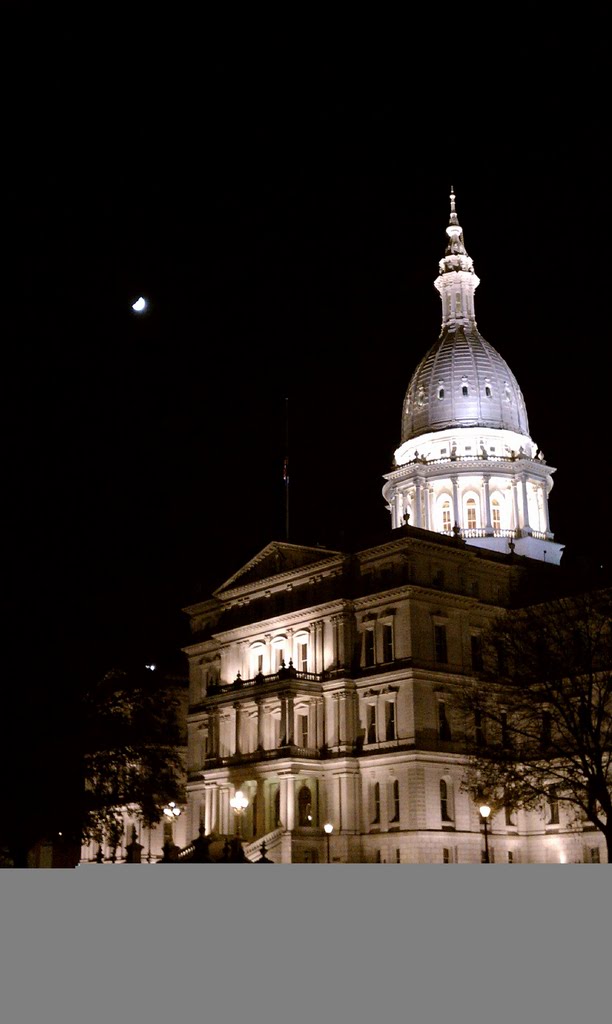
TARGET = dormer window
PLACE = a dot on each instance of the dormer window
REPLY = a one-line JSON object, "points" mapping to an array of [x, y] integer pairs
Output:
{"points": [[440, 392], [464, 390]]}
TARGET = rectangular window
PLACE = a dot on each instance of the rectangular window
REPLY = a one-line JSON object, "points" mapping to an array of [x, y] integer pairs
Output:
{"points": [[398, 857], [303, 730], [371, 723], [471, 517], [510, 857], [302, 657], [259, 665], [440, 643], [594, 854], [390, 720], [509, 816], [279, 658], [368, 647], [553, 806], [444, 731], [376, 804], [478, 728], [387, 642], [476, 645], [378, 857], [446, 856], [438, 578]]}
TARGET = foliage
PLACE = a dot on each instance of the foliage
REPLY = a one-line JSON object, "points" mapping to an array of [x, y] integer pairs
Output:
{"points": [[544, 706], [131, 743]]}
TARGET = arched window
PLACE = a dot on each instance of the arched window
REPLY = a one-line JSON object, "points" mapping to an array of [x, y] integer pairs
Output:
{"points": [[446, 810], [470, 511], [396, 800], [446, 516], [305, 806]]}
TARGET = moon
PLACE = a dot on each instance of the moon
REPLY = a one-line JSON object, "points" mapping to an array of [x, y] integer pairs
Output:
{"points": [[139, 305]]}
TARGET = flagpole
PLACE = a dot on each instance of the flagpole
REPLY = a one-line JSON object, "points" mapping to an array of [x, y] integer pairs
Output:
{"points": [[286, 469]]}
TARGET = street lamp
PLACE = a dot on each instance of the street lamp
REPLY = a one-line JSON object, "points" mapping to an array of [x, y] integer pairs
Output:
{"points": [[485, 811], [239, 802], [171, 812], [328, 828]]}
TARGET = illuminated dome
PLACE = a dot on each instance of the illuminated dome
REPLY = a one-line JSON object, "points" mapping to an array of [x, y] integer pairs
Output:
{"points": [[466, 466], [464, 382]]}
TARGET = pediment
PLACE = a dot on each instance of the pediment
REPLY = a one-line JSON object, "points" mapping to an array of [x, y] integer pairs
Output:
{"points": [[275, 559]]}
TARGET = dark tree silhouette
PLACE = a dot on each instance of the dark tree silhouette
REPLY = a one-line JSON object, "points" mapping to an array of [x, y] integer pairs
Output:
{"points": [[538, 719], [132, 739]]}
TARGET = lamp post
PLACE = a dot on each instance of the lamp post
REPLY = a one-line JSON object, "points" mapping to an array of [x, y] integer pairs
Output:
{"points": [[485, 811], [239, 803], [328, 828], [171, 812]]}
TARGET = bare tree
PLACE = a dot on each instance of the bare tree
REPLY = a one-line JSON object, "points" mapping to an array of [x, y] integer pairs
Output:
{"points": [[538, 719]]}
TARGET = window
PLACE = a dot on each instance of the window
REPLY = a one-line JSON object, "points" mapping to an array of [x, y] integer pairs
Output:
{"points": [[440, 643], [311, 856], [510, 857], [464, 390], [438, 578], [478, 728], [398, 856], [303, 730], [390, 720], [594, 855], [378, 857], [368, 647], [444, 731], [553, 806], [395, 792], [471, 513], [279, 658], [509, 815], [446, 856], [445, 801], [446, 517], [496, 515], [305, 806], [302, 656], [488, 390], [371, 723], [376, 803], [476, 645], [440, 393], [387, 638]]}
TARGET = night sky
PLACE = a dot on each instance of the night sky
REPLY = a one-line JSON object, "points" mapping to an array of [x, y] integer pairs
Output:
{"points": [[284, 211]]}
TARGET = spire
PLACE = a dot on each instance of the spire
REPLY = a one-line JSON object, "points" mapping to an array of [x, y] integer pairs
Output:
{"points": [[457, 280], [454, 230]]}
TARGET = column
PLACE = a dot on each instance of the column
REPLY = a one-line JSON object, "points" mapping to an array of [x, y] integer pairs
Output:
{"points": [[486, 506], [335, 657], [320, 721], [261, 742], [515, 505], [312, 722], [214, 732], [237, 731], [545, 507], [290, 720], [418, 513], [428, 494], [455, 482], [525, 502]]}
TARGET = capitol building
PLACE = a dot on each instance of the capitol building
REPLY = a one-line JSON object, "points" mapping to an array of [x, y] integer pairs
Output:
{"points": [[321, 682]]}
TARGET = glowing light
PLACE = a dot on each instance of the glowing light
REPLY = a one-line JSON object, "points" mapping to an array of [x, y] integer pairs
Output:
{"points": [[328, 827], [485, 810], [139, 305], [239, 801], [151, 668]]}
